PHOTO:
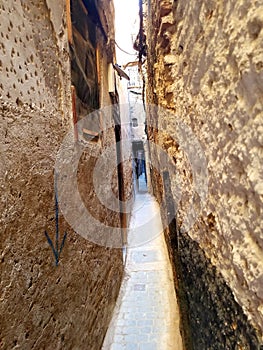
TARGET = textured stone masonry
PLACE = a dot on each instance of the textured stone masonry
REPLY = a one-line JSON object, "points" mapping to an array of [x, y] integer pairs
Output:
{"points": [[205, 62], [43, 306]]}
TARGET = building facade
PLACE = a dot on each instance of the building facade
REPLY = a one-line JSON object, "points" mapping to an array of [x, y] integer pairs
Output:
{"points": [[55, 59]]}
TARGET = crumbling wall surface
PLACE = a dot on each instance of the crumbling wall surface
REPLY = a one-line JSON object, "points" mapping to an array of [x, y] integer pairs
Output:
{"points": [[205, 62], [43, 306]]}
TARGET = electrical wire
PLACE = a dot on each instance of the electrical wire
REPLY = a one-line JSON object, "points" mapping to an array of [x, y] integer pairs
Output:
{"points": [[131, 54]]}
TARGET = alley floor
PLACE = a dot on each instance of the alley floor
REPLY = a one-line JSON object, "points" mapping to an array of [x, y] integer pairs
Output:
{"points": [[146, 316]]}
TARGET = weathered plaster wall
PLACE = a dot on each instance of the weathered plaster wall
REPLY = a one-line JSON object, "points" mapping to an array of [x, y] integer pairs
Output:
{"points": [[205, 62], [43, 306]]}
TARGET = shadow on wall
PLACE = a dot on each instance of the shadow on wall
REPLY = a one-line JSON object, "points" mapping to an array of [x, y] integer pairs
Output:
{"points": [[215, 320]]}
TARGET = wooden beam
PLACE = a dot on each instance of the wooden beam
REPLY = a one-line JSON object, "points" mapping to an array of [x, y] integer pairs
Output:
{"points": [[78, 63], [98, 64], [101, 121], [80, 38], [83, 7], [90, 132], [69, 23], [74, 112]]}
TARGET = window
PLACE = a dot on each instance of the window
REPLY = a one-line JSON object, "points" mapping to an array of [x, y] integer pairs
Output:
{"points": [[134, 122]]}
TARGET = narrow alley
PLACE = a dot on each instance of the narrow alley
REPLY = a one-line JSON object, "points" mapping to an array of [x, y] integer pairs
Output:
{"points": [[131, 175], [147, 315]]}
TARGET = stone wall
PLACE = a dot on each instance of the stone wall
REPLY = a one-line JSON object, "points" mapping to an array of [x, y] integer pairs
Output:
{"points": [[44, 306], [205, 68]]}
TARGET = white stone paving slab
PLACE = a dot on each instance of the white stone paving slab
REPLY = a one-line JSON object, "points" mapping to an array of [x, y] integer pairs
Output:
{"points": [[146, 316]]}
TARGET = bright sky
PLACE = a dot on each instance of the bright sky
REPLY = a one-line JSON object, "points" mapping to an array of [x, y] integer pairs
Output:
{"points": [[126, 25]]}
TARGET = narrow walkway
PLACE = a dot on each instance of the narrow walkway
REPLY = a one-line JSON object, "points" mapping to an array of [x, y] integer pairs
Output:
{"points": [[146, 316]]}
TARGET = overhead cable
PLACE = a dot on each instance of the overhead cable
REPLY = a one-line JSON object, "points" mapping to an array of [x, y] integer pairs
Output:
{"points": [[131, 54]]}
